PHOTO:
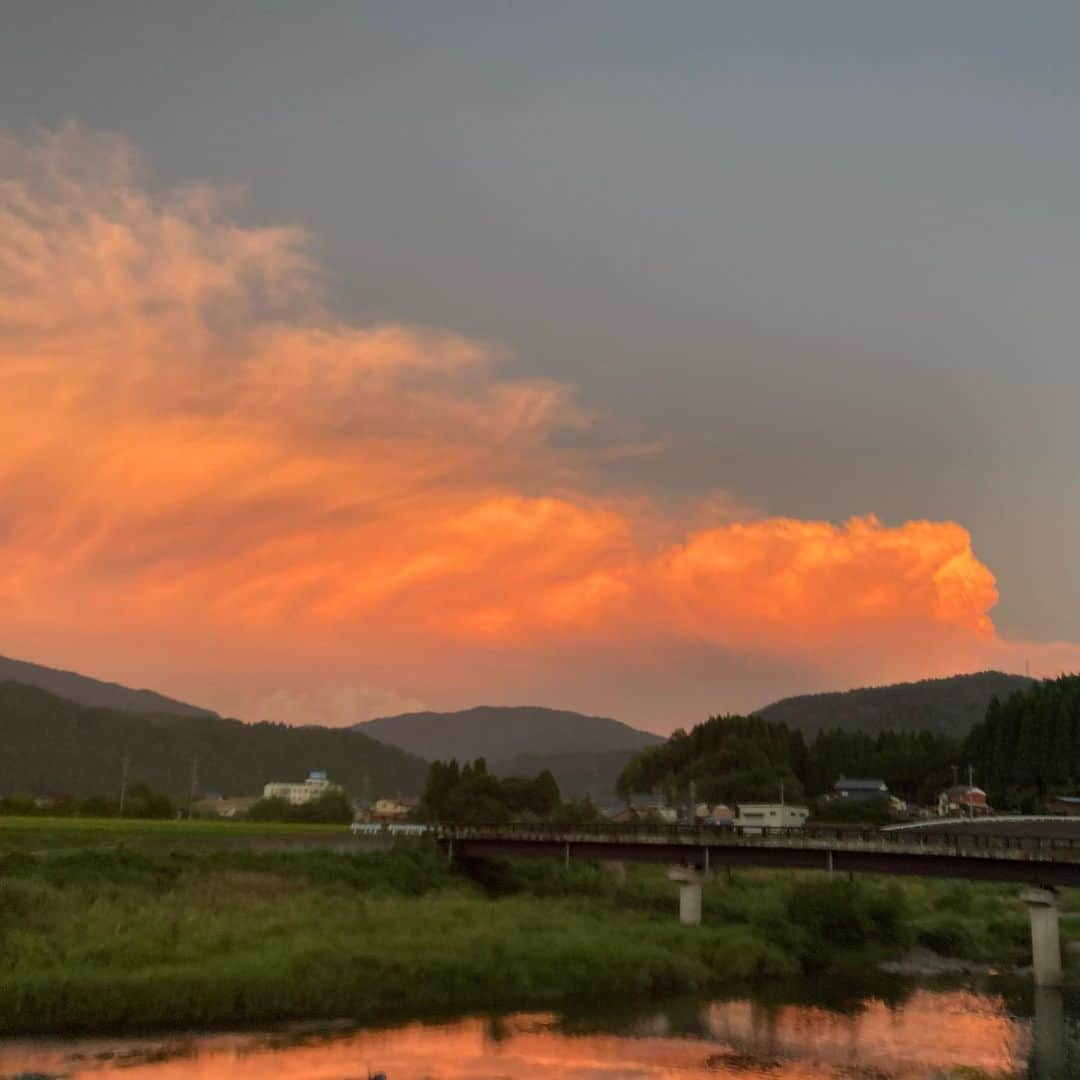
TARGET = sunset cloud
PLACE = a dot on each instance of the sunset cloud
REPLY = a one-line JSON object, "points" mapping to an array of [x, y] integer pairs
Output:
{"points": [[197, 451]]}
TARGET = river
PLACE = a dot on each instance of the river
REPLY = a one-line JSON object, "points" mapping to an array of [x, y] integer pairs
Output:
{"points": [[891, 1030]]}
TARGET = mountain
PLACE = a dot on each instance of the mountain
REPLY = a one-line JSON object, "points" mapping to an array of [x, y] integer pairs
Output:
{"points": [[87, 691], [498, 733], [51, 746], [951, 706]]}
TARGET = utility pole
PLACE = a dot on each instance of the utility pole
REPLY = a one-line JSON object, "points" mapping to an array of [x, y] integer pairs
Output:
{"points": [[194, 784], [956, 776], [123, 782]]}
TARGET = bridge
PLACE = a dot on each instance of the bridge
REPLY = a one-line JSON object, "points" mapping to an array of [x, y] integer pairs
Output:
{"points": [[1043, 863]]}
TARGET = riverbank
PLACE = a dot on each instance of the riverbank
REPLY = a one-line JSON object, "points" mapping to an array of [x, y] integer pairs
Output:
{"points": [[94, 941]]}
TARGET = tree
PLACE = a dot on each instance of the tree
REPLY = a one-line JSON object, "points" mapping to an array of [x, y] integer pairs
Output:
{"points": [[473, 796]]}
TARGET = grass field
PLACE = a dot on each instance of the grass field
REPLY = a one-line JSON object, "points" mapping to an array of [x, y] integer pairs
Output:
{"points": [[42, 834], [118, 925]]}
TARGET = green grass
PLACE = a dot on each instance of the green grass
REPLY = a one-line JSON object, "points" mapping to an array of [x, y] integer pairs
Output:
{"points": [[121, 938], [56, 833]]}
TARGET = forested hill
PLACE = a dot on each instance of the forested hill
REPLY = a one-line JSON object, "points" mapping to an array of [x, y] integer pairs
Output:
{"points": [[950, 706], [733, 759], [501, 732], [1028, 748], [50, 746], [87, 691]]}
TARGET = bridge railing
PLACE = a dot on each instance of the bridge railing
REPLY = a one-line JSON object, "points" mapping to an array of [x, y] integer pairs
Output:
{"points": [[708, 835]]}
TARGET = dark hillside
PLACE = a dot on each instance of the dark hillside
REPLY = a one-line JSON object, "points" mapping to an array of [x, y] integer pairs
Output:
{"points": [[49, 746], [950, 706], [87, 691], [497, 733]]}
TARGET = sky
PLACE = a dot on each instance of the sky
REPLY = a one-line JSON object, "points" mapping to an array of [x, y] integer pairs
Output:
{"points": [[649, 360]]}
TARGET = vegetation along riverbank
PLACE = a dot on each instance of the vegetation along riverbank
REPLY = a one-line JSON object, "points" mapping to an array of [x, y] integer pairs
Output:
{"points": [[124, 938]]}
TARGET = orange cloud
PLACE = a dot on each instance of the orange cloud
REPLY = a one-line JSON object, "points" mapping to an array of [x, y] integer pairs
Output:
{"points": [[196, 451]]}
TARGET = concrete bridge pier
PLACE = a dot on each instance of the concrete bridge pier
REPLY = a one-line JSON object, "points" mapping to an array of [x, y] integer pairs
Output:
{"points": [[689, 880], [1045, 938], [1049, 1050]]}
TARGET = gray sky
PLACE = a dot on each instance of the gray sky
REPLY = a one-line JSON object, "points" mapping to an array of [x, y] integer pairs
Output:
{"points": [[826, 254]]}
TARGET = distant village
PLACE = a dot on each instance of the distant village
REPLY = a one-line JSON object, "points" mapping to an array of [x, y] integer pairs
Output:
{"points": [[961, 800]]}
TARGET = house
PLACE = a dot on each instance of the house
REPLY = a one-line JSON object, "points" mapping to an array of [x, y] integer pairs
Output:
{"points": [[642, 807], [719, 814], [1068, 805], [860, 790], [753, 817], [314, 787], [965, 799], [393, 809]]}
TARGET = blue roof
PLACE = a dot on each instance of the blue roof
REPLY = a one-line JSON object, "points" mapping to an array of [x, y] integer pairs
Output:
{"points": [[317, 774]]}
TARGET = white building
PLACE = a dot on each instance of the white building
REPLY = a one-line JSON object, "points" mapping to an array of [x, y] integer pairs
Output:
{"points": [[753, 817], [314, 787]]}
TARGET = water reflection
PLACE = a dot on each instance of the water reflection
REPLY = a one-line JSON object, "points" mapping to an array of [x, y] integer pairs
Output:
{"points": [[926, 1035], [1049, 1058]]}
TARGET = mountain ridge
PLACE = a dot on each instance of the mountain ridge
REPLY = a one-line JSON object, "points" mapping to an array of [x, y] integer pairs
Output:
{"points": [[54, 746], [950, 706], [501, 732], [100, 693]]}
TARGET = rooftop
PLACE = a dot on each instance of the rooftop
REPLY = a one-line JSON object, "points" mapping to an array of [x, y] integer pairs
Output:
{"points": [[846, 784]]}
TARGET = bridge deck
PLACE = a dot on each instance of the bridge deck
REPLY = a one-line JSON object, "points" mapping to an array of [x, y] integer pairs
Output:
{"points": [[1053, 861]]}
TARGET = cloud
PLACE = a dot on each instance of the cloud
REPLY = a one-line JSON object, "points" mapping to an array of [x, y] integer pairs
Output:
{"points": [[196, 451]]}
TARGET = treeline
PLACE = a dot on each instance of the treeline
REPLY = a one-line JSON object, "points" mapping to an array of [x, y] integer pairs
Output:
{"points": [[470, 795], [746, 759], [1028, 747], [139, 802]]}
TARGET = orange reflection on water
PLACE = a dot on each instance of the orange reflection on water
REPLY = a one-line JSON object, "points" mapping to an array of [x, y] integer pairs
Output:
{"points": [[930, 1033]]}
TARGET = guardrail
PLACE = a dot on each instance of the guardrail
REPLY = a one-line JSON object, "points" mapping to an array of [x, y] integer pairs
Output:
{"points": [[815, 835], [380, 828]]}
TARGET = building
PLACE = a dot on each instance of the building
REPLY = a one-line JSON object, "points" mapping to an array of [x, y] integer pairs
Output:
{"points": [[314, 787], [753, 817], [652, 806], [642, 808], [860, 790], [708, 814], [964, 799], [394, 809]]}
